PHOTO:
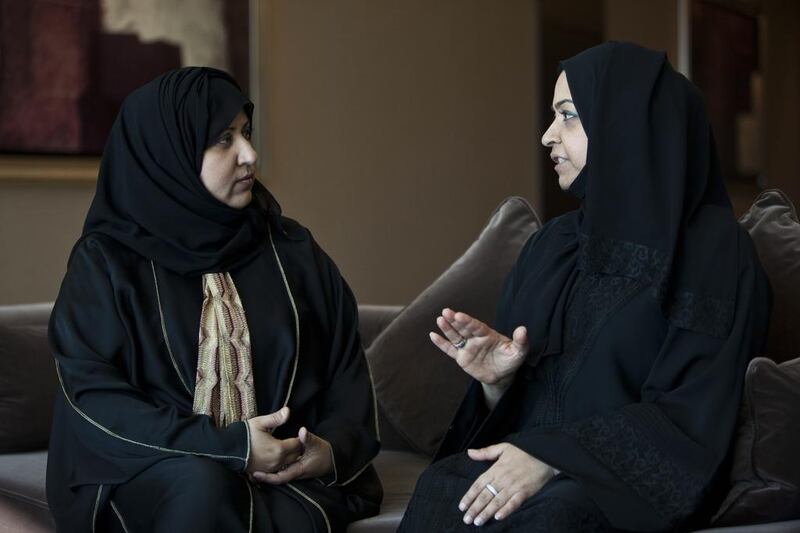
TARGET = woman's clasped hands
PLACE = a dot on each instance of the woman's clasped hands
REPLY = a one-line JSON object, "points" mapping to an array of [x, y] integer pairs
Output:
{"points": [[277, 461]]}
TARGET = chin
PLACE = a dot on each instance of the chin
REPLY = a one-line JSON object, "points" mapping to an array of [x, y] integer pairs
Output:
{"points": [[242, 201], [565, 181]]}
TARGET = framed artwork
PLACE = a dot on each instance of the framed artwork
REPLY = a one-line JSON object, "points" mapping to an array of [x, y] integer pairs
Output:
{"points": [[66, 66]]}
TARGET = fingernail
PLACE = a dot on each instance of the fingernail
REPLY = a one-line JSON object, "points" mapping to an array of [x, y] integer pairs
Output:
{"points": [[462, 507], [467, 519], [478, 521], [498, 516]]}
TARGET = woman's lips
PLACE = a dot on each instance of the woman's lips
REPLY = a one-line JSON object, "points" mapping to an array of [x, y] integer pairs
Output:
{"points": [[249, 179], [560, 162]]}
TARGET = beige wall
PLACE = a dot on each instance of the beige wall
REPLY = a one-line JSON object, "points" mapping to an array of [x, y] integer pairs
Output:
{"points": [[39, 222], [393, 130]]}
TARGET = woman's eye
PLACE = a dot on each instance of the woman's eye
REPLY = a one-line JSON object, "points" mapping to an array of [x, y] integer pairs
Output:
{"points": [[248, 133], [224, 140], [567, 115]]}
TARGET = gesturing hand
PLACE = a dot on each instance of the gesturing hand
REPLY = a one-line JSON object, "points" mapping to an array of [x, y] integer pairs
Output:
{"points": [[316, 461], [483, 353], [515, 476], [268, 454]]}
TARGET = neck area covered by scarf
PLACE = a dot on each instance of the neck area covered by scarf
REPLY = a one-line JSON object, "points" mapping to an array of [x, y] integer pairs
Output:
{"points": [[224, 387]]}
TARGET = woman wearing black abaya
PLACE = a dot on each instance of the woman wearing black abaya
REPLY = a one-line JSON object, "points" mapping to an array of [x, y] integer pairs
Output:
{"points": [[206, 347], [607, 395]]}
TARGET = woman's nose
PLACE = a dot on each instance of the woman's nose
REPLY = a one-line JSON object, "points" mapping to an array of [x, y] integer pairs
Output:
{"points": [[247, 154], [550, 136]]}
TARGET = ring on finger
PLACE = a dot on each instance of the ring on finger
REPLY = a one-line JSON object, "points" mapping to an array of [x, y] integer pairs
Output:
{"points": [[460, 344], [491, 489]]}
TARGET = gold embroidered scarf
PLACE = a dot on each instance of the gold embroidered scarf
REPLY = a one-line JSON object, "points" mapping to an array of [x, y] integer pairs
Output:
{"points": [[224, 388]]}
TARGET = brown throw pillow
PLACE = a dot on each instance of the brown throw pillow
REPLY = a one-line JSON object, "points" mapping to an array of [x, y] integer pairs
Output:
{"points": [[419, 388], [27, 388], [773, 224], [766, 472]]}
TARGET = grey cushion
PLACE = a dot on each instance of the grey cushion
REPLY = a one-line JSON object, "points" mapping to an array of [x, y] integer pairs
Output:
{"points": [[372, 319], [398, 472], [22, 499], [766, 473], [419, 387], [25, 314], [773, 224], [27, 388], [22, 477]]}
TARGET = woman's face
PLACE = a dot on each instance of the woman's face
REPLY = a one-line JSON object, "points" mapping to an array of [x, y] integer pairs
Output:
{"points": [[228, 170], [565, 136]]}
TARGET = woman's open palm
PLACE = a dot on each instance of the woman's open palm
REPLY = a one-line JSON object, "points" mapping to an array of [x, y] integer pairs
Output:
{"points": [[482, 352]]}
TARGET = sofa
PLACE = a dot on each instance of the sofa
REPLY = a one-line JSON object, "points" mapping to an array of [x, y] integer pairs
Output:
{"points": [[409, 374]]}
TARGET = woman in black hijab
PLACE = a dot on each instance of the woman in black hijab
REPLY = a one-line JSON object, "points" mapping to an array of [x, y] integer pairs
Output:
{"points": [[606, 396], [207, 348]]}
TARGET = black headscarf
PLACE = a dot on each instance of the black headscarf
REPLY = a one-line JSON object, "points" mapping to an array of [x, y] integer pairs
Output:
{"points": [[653, 202], [149, 194]]}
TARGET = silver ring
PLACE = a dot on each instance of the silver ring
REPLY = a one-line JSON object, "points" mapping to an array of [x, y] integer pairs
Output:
{"points": [[460, 344], [491, 489]]}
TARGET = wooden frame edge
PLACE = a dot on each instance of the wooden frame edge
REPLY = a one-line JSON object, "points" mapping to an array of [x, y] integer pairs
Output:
{"points": [[48, 168]]}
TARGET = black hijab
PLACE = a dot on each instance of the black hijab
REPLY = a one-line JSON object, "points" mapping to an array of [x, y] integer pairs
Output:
{"points": [[653, 202], [149, 194]]}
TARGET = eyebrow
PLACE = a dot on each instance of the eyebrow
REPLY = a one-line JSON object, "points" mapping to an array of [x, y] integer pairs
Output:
{"points": [[231, 128], [564, 101]]}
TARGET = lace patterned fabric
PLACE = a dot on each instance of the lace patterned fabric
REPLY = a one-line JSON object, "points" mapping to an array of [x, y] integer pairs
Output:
{"points": [[685, 309], [704, 314], [628, 451]]}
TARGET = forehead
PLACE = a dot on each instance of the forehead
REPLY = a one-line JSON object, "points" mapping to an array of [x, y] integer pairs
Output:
{"points": [[561, 91], [239, 120]]}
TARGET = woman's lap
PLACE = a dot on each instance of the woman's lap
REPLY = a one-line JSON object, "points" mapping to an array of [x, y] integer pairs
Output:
{"points": [[561, 505], [198, 494]]}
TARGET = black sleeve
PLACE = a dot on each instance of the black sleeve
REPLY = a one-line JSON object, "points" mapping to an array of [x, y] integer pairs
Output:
{"points": [[349, 409], [118, 423]]}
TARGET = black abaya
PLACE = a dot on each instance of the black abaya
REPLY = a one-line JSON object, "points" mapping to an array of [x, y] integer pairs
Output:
{"points": [[643, 308], [124, 336]]}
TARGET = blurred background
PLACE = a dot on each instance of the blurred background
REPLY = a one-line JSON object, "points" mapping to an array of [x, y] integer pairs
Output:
{"points": [[390, 128]]}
